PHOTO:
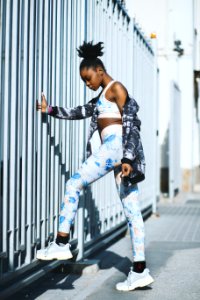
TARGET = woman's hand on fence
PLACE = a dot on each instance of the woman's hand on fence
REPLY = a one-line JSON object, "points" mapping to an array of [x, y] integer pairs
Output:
{"points": [[43, 105], [126, 170]]}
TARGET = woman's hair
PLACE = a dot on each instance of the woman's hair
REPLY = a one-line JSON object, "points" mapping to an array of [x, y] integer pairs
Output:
{"points": [[90, 54]]}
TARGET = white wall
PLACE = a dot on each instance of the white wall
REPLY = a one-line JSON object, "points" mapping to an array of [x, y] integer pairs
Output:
{"points": [[174, 19]]}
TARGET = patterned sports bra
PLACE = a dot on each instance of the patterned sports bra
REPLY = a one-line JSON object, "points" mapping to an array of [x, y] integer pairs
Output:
{"points": [[107, 108], [108, 111]]}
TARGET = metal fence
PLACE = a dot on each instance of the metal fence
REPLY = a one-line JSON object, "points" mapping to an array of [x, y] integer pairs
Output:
{"points": [[145, 91], [38, 41]]}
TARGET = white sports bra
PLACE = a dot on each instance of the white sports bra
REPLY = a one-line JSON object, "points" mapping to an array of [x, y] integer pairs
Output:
{"points": [[107, 108]]}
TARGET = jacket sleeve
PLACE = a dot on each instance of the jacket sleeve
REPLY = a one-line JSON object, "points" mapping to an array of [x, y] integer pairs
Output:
{"points": [[132, 146], [74, 113]]}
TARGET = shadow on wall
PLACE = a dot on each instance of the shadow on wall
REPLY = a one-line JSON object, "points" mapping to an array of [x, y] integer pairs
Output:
{"points": [[91, 220]]}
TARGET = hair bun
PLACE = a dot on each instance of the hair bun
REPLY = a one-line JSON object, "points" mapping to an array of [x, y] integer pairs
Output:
{"points": [[88, 50]]}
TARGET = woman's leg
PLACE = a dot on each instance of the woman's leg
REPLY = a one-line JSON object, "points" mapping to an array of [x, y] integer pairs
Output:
{"points": [[96, 166], [139, 275], [129, 197]]}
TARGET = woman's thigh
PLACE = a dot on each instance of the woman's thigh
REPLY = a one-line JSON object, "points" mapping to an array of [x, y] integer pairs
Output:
{"points": [[98, 164]]}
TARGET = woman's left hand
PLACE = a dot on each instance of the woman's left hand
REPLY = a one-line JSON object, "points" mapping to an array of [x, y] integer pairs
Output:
{"points": [[126, 170]]}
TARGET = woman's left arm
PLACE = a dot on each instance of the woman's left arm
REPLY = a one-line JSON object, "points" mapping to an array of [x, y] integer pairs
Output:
{"points": [[120, 93], [120, 98]]}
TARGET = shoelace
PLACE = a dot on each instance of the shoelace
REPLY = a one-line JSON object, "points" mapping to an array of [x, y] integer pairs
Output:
{"points": [[49, 245], [129, 276]]}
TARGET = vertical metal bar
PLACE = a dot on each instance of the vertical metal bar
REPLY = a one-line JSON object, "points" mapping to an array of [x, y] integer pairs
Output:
{"points": [[44, 124], [73, 85], [39, 70], [90, 208], [2, 101], [35, 132], [51, 130], [34, 216], [24, 122], [19, 135], [68, 89], [47, 137], [54, 122], [2, 9], [76, 102], [57, 96], [30, 109], [74, 99], [6, 128], [58, 101], [62, 87], [81, 30], [136, 64], [1, 127], [13, 107]]}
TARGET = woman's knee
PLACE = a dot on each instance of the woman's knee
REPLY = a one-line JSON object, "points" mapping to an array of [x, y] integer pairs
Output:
{"points": [[75, 182], [131, 209]]}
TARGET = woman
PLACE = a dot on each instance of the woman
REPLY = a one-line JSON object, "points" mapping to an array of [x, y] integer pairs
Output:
{"points": [[114, 115]]}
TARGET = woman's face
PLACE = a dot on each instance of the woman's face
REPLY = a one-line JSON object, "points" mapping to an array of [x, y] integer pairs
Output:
{"points": [[92, 77]]}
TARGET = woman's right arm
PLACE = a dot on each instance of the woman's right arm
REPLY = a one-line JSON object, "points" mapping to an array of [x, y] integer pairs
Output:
{"points": [[74, 113]]}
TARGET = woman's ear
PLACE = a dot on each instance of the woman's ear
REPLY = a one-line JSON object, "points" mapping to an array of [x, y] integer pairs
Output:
{"points": [[100, 70]]}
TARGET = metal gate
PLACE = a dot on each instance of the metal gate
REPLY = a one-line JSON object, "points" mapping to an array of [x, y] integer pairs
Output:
{"points": [[38, 41]]}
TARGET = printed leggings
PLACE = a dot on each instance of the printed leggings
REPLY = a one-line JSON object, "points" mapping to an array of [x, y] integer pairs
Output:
{"points": [[107, 158]]}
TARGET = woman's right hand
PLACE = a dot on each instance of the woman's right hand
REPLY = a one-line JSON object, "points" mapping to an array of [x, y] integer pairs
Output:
{"points": [[43, 105]]}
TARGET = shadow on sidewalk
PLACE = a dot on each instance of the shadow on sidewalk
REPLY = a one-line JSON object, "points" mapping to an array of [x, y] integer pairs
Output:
{"points": [[61, 279]]}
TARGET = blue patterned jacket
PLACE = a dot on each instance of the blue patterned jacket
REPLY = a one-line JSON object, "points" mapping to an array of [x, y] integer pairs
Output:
{"points": [[132, 146]]}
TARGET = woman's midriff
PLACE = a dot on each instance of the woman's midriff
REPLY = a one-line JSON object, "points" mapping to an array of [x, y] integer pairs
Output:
{"points": [[104, 122]]}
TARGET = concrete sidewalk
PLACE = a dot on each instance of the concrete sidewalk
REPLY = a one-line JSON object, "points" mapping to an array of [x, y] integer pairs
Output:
{"points": [[173, 257]]}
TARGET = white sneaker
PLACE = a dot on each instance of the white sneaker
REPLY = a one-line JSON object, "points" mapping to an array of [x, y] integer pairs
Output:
{"points": [[135, 280], [54, 251]]}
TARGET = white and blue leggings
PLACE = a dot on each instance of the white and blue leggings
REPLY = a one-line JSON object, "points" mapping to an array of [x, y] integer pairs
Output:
{"points": [[107, 158]]}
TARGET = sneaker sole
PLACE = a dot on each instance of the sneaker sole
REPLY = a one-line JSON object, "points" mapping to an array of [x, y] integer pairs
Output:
{"points": [[138, 283], [60, 257]]}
